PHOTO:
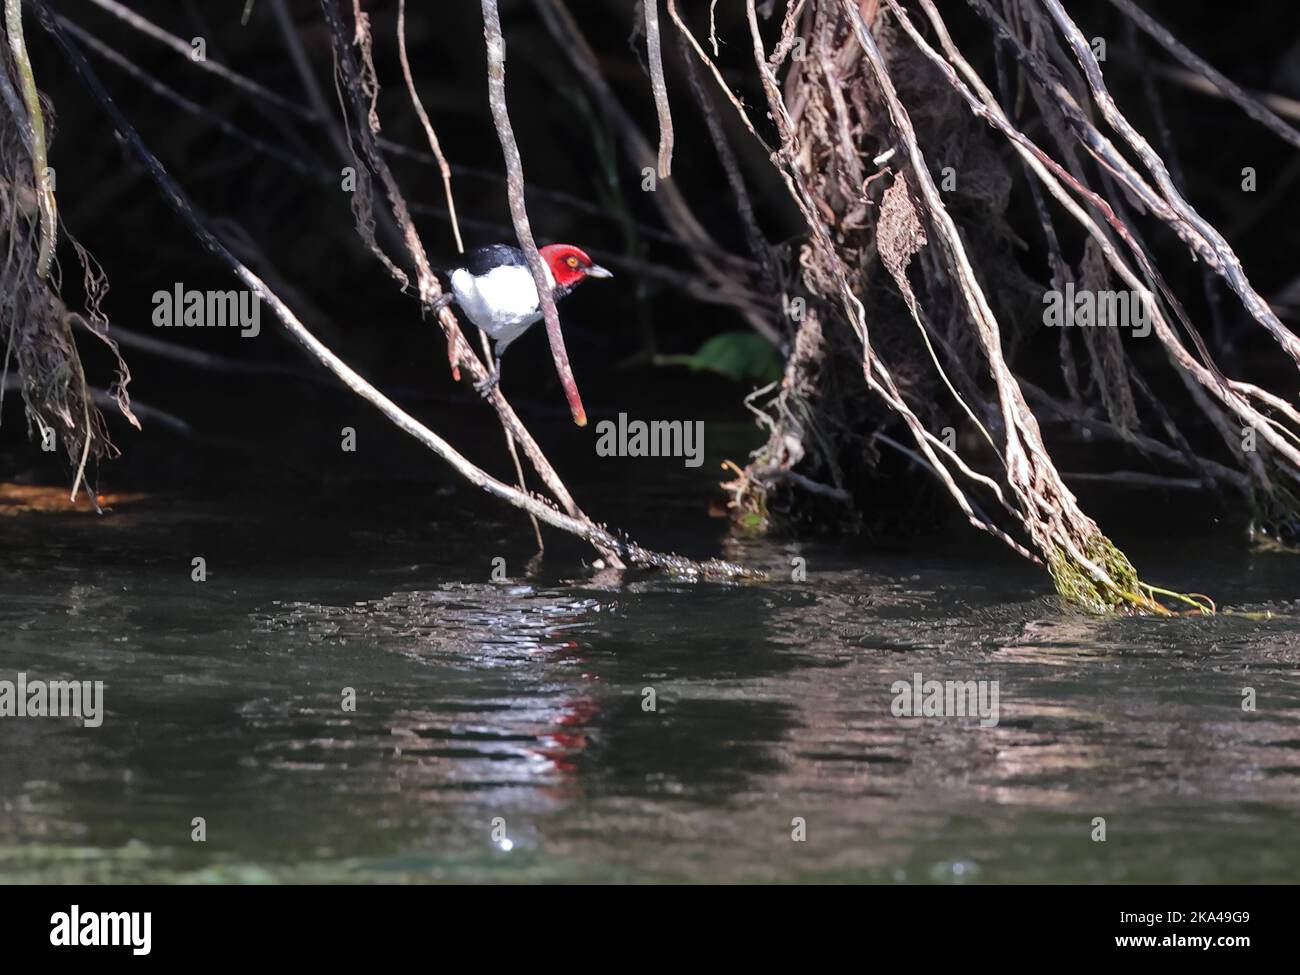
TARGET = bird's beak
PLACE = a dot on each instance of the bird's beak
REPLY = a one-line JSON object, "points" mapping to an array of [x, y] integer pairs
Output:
{"points": [[596, 271]]}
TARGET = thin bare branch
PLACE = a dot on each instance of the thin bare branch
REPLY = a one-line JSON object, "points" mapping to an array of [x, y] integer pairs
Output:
{"points": [[658, 86], [1234, 93], [185, 48], [496, 56], [434, 146]]}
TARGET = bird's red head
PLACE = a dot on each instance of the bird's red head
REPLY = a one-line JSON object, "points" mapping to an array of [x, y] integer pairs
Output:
{"points": [[570, 265]]}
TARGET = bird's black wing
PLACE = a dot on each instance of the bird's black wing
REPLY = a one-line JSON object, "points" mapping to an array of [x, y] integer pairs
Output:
{"points": [[484, 259]]}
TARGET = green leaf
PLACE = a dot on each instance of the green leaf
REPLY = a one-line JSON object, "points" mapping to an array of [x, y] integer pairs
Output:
{"points": [[740, 356]]}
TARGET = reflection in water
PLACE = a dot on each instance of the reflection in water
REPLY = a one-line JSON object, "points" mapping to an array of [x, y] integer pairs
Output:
{"points": [[457, 743], [526, 702]]}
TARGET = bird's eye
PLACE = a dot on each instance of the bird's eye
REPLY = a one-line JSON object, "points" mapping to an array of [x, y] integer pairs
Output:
{"points": [[572, 262]]}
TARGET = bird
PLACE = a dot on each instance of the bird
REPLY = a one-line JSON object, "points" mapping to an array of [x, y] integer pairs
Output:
{"points": [[494, 287]]}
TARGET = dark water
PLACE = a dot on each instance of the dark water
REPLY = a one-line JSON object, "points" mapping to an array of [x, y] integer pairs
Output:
{"points": [[524, 700]]}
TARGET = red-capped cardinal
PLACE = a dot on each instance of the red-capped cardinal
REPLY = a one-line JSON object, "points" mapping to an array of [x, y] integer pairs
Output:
{"points": [[495, 289]]}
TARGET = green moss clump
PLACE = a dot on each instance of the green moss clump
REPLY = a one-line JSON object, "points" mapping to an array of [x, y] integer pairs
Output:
{"points": [[1124, 594]]}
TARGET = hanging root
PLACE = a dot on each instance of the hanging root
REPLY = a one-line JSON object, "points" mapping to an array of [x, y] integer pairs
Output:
{"points": [[868, 109], [34, 133], [35, 326]]}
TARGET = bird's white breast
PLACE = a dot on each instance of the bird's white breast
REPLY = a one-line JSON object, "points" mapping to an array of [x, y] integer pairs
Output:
{"points": [[503, 302]]}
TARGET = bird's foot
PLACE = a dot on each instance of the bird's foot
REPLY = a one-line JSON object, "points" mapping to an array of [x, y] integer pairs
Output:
{"points": [[486, 386], [441, 302]]}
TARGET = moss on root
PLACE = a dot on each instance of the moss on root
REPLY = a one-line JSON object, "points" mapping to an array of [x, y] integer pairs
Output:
{"points": [[1122, 592]]}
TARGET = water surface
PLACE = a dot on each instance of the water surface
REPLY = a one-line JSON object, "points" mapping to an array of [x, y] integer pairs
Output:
{"points": [[524, 701]]}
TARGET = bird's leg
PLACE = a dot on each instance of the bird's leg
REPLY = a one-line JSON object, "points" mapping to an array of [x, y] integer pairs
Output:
{"points": [[441, 302], [493, 380], [486, 386]]}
